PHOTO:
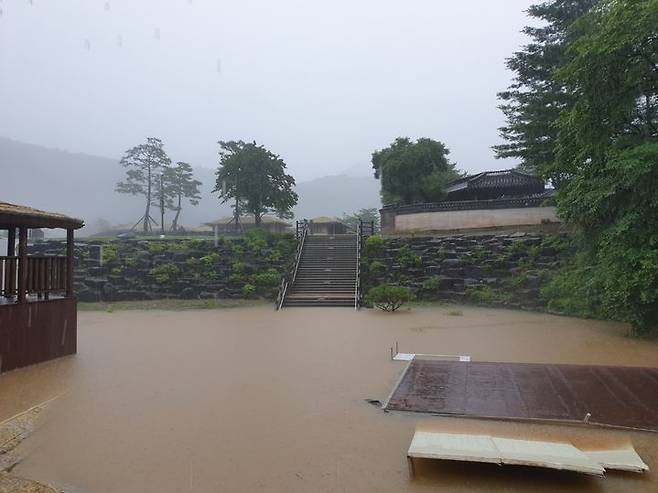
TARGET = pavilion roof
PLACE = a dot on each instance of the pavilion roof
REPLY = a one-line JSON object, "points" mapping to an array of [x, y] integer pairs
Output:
{"points": [[497, 179], [13, 215]]}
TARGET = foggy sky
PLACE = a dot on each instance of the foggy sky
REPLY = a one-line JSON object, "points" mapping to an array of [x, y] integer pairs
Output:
{"points": [[323, 84]]}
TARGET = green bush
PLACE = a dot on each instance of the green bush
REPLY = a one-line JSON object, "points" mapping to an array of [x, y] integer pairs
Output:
{"points": [[376, 268], [164, 272], [256, 240], [374, 245], [110, 254], [408, 258], [268, 278], [486, 294], [519, 279], [156, 247], [389, 297], [432, 284], [248, 290]]}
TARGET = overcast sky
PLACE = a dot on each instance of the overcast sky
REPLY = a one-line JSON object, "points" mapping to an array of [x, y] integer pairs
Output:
{"points": [[323, 84]]}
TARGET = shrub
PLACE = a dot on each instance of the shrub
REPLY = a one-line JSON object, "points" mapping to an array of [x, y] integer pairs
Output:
{"points": [[248, 290], [389, 297], [376, 268], [374, 245], [268, 278], [408, 258], [110, 254], [432, 284], [156, 247], [519, 279], [256, 240], [164, 272], [486, 294]]}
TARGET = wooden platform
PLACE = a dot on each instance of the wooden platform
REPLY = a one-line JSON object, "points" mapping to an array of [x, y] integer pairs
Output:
{"points": [[34, 332], [625, 397]]}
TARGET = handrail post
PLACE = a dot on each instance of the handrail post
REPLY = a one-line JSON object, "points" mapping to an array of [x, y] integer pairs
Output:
{"points": [[22, 263]]}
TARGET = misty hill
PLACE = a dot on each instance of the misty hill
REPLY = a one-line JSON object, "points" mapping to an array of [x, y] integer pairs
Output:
{"points": [[83, 185]]}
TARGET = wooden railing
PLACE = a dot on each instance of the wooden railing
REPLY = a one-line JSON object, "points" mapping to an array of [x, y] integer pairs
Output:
{"points": [[45, 275], [8, 276]]}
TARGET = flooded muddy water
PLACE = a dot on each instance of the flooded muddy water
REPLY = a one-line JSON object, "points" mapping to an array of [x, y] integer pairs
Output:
{"points": [[250, 399]]}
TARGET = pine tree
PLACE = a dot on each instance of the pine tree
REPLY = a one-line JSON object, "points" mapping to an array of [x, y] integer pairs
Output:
{"points": [[533, 102]]}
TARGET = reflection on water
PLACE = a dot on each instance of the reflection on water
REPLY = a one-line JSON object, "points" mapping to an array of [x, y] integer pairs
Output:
{"points": [[256, 400]]}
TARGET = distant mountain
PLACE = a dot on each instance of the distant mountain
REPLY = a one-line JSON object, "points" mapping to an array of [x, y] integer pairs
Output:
{"points": [[83, 185]]}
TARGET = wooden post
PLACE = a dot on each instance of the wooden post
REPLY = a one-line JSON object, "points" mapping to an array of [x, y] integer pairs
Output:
{"points": [[22, 263], [70, 252], [11, 242]]}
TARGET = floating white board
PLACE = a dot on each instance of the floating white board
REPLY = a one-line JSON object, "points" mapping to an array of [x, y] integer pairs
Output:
{"points": [[622, 459], [483, 448]]}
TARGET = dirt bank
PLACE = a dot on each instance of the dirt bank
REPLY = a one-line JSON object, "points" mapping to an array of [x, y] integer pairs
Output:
{"points": [[251, 399]]}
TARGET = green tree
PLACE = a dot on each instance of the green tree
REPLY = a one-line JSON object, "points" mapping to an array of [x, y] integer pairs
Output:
{"points": [[413, 172], [180, 183], [607, 156], [144, 162], [256, 179], [533, 102]]}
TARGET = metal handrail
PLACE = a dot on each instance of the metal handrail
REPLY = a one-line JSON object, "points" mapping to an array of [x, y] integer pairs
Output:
{"points": [[358, 265], [287, 280]]}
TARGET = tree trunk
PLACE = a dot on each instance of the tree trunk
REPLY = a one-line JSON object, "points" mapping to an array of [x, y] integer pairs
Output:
{"points": [[162, 208], [147, 214], [174, 223]]}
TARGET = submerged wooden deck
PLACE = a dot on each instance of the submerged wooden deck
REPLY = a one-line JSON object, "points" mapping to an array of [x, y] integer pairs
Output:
{"points": [[625, 397]]}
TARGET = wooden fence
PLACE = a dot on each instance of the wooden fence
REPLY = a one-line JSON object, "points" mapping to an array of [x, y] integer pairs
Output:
{"points": [[45, 275]]}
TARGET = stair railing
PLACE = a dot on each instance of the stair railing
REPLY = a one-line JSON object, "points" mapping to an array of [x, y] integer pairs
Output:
{"points": [[363, 231], [301, 231], [357, 284]]}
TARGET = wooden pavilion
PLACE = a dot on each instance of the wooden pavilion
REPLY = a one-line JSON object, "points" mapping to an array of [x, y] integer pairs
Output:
{"points": [[37, 304]]}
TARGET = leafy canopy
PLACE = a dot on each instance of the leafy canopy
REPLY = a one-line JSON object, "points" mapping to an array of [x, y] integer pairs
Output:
{"points": [[256, 179], [413, 172], [607, 157]]}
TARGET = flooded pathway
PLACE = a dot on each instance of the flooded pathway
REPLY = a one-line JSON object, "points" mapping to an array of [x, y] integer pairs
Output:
{"points": [[250, 399]]}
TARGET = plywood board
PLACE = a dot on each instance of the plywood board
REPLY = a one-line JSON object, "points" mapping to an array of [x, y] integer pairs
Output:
{"points": [[453, 446], [563, 456], [623, 459], [494, 450]]}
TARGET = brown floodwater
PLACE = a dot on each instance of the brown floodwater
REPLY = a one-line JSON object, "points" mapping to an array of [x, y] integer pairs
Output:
{"points": [[250, 399]]}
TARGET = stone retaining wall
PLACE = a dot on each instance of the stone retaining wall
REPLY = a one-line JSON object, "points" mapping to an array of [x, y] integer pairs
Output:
{"points": [[140, 269], [492, 269]]}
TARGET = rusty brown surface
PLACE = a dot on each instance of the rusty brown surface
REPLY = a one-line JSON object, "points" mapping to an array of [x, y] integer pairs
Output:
{"points": [[34, 332], [614, 396]]}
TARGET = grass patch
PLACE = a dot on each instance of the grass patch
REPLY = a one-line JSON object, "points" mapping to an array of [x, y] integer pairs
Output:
{"points": [[455, 313], [172, 305]]}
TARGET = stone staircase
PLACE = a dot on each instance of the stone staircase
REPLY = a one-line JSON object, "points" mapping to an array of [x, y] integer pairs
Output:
{"points": [[326, 275]]}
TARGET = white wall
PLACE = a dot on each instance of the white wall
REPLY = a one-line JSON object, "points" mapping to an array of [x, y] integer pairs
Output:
{"points": [[473, 219]]}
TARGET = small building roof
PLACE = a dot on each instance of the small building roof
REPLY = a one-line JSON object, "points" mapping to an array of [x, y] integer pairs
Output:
{"points": [[13, 215], [508, 178], [266, 219], [325, 219]]}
